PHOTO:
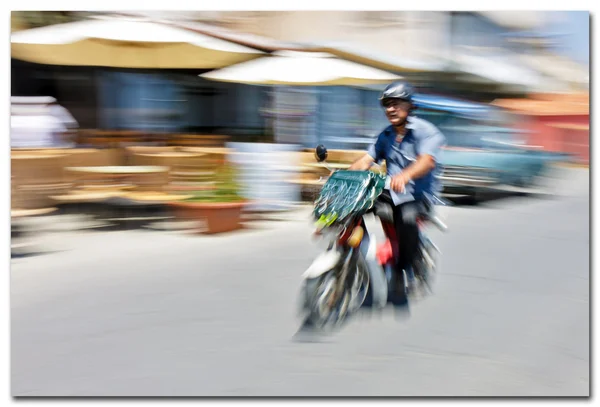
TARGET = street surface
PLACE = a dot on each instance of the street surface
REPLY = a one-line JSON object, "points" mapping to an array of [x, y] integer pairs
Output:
{"points": [[154, 313]]}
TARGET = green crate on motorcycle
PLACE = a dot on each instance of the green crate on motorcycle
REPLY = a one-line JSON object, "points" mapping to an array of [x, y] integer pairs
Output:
{"points": [[346, 193]]}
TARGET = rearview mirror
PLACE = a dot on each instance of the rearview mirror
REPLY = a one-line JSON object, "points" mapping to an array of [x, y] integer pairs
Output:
{"points": [[321, 153]]}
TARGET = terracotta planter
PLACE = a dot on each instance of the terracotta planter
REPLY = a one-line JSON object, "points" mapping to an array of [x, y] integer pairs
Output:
{"points": [[220, 217]]}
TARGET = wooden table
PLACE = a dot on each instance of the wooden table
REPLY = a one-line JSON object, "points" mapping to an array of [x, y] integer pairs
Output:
{"points": [[111, 179], [123, 170], [172, 154], [117, 196]]}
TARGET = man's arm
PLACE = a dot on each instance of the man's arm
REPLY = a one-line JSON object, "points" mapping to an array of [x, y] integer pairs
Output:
{"points": [[425, 162], [421, 167], [375, 153], [363, 163]]}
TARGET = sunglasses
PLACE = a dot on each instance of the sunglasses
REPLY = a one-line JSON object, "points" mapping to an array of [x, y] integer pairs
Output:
{"points": [[397, 104]]}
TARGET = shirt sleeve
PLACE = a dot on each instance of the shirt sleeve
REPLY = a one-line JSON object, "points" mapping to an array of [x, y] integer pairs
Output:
{"points": [[377, 150], [432, 143]]}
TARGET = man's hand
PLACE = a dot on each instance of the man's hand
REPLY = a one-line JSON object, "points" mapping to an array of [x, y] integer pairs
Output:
{"points": [[399, 182]]}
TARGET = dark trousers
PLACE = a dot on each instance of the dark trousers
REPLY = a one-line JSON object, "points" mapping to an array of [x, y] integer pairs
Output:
{"points": [[407, 231]]}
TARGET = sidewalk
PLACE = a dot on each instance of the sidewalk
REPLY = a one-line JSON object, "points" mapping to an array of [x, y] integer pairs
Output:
{"points": [[46, 234]]}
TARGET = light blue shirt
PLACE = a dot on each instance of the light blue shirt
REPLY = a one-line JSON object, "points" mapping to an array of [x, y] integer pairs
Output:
{"points": [[421, 137]]}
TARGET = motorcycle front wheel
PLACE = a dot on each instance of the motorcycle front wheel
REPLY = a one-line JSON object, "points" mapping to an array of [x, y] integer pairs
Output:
{"points": [[323, 308]]}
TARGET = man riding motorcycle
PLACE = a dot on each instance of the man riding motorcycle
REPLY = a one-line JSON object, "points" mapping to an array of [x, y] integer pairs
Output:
{"points": [[411, 148]]}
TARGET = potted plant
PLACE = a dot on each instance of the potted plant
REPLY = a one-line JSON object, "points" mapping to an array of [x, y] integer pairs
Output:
{"points": [[220, 206]]}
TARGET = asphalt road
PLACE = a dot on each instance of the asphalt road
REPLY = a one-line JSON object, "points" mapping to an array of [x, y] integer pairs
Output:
{"points": [[147, 313]]}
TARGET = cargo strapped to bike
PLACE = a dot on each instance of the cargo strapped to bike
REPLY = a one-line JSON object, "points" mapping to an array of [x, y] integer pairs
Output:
{"points": [[346, 193]]}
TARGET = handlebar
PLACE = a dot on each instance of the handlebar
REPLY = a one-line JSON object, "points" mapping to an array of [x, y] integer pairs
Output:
{"points": [[437, 222]]}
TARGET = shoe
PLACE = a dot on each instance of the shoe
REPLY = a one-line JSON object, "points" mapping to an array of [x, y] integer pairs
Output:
{"points": [[411, 281]]}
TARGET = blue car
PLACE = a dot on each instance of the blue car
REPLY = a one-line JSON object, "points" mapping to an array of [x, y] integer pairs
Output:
{"points": [[483, 149]]}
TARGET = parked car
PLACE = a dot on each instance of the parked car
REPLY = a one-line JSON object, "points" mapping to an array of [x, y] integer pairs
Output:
{"points": [[484, 149]]}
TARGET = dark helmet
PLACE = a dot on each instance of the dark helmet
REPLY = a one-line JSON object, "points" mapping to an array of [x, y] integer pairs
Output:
{"points": [[398, 90]]}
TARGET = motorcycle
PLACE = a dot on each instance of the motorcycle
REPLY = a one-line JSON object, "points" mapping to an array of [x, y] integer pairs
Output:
{"points": [[354, 269]]}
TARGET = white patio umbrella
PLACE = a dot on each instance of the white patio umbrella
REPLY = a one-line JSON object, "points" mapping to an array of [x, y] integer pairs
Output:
{"points": [[296, 68], [126, 43]]}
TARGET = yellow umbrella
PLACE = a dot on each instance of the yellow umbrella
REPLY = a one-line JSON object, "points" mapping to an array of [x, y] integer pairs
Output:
{"points": [[126, 43]]}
